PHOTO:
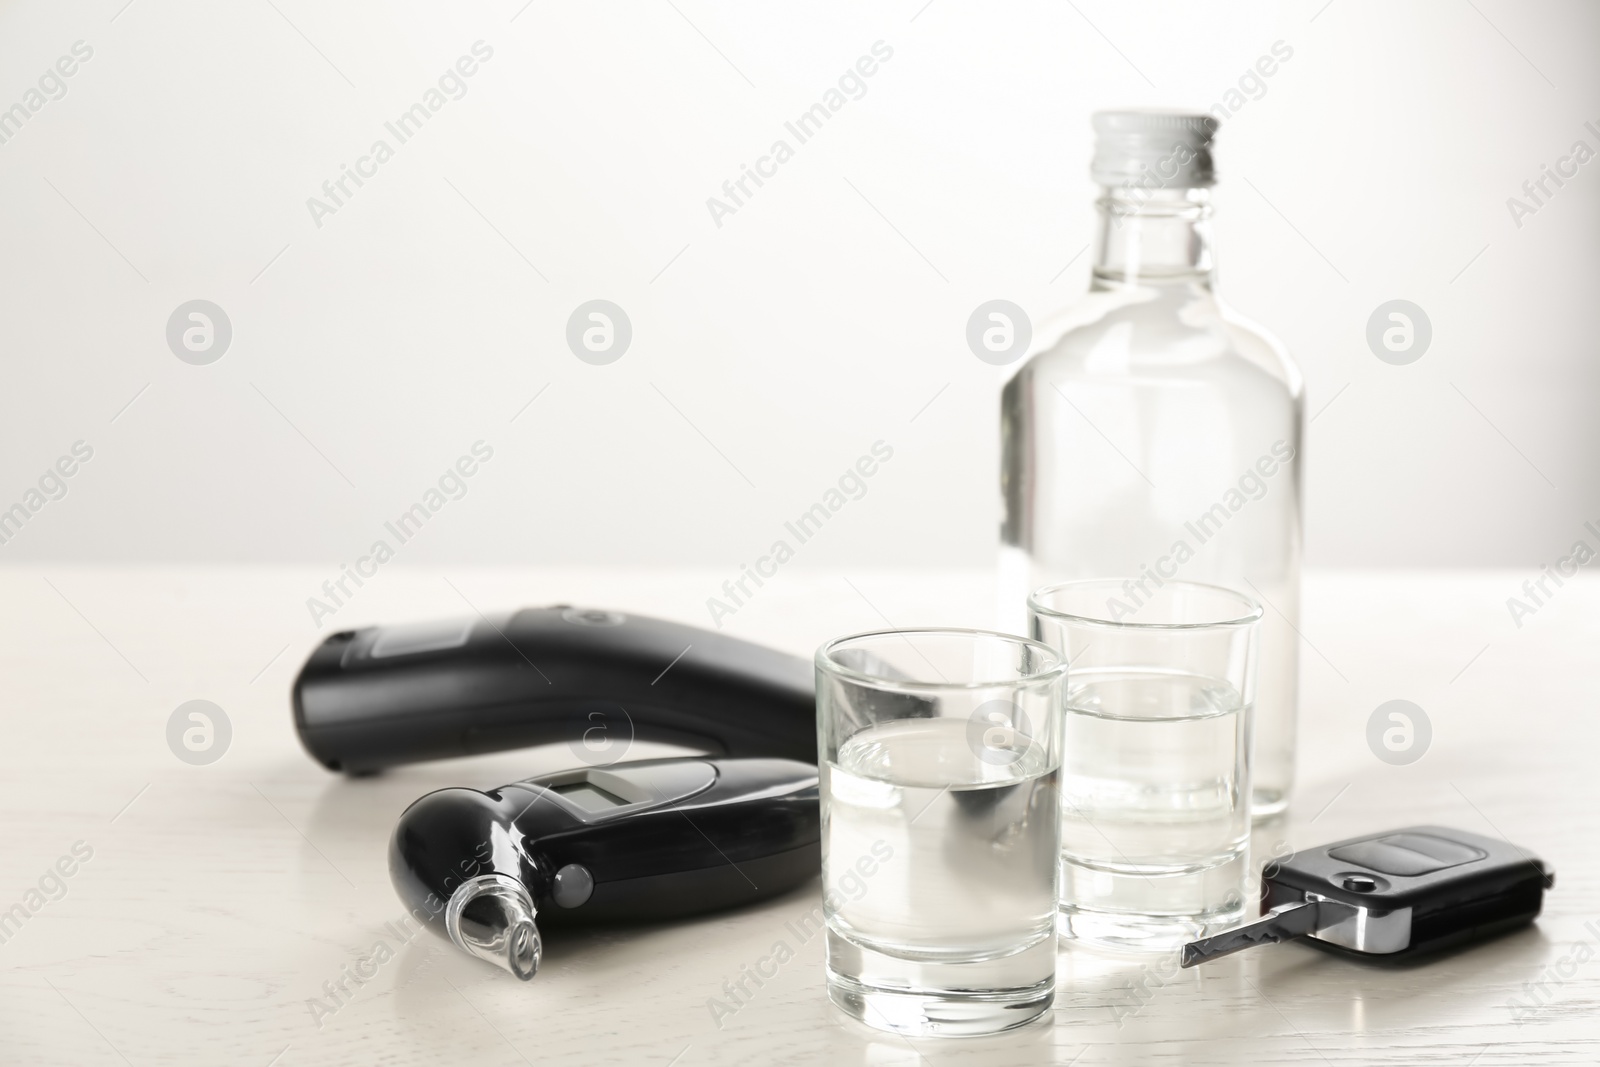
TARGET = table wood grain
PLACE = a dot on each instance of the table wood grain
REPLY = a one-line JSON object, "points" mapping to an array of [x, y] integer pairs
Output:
{"points": [[241, 913]]}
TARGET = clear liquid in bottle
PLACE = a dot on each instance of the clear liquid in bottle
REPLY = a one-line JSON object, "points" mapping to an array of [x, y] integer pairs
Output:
{"points": [[1155, 435]]}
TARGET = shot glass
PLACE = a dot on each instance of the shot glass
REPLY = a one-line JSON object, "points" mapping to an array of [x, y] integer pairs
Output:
{"points": [[938, 752], [1155, 776]]}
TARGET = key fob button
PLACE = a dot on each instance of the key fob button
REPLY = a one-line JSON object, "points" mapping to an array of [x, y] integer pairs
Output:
{"points": [[1358, 882], [1407, 855]]}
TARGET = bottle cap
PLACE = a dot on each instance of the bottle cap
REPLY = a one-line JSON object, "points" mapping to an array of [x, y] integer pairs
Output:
{"points": [[1153, 149]]}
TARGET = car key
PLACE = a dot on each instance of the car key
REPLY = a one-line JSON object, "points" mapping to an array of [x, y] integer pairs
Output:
{"points": [[1391, 896]]}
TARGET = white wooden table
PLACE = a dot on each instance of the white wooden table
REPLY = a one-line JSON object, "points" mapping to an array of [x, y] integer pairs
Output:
{"points": [[221, 902]]}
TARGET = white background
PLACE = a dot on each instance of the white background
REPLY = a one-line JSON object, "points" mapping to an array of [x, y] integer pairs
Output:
{"points": [[826, 314], [768, 354]]}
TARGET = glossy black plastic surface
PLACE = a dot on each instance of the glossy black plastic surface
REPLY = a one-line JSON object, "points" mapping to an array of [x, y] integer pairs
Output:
{"points": [[1459, 886], [593, 679], [685, 840]]}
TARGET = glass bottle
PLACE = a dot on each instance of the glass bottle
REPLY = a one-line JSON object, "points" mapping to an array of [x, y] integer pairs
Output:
{"points": [[1156, 435]]}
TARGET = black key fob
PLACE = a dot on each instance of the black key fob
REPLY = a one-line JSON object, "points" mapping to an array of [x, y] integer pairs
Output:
{"points": [[1394, 895]]}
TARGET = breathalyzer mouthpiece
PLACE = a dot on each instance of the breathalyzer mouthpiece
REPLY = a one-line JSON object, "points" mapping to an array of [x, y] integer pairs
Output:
{"points": [[491, 916]]}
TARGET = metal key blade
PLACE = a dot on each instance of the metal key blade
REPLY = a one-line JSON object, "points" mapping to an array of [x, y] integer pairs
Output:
{"points": [[1283, 923]]}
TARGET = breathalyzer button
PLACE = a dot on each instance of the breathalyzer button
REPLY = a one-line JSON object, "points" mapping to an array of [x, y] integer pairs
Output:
{"points": [[573, 885], [592, 617]]}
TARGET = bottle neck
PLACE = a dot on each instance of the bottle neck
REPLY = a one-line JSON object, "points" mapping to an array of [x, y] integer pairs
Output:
{"points": [[1147, 237]]}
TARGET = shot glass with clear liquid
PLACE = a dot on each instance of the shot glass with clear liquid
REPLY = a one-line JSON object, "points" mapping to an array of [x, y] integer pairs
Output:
{"points": [[1155, 775], [939, 752]]}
